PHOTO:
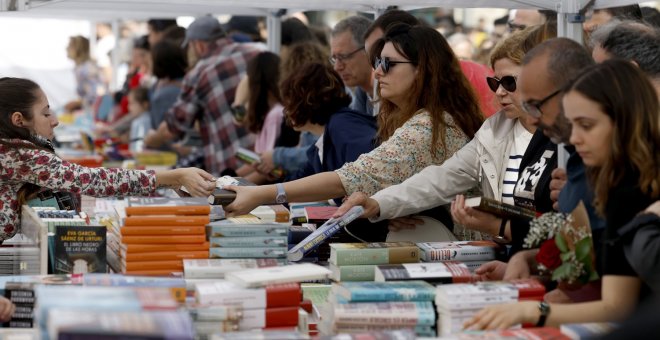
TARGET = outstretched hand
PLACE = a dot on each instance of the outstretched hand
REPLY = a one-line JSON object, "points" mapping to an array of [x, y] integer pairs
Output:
{"points": [[247, 199], [371, 208], [197, 181], [504, 316], [491, 271], [474, 219]]}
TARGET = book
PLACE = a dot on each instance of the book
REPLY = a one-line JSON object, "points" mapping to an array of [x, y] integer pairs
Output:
{"points": [[268, 317], [162, 230], [230, 294], [163, 239], [458, 251], [290, 273], [362, 272], [418, 313], [230, 228], [324, 232], [167, 206], [436, 272], [384, 291], [80, 249], [148, 248], [177, 286], [164, 220], [373, 253], [217, 268], [175, 265], [245, 252], [164, 255], [252, 158], [249, 242], [215, 313], [319, 214], [271, 213], [529, 289], [221, 196], [498, 208], [590, 330]]}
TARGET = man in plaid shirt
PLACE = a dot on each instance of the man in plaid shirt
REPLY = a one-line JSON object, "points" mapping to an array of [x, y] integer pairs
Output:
{"points": [[207, 93]]}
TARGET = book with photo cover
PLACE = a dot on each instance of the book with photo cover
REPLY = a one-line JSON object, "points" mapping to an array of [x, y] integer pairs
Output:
{"points": [[80, 249], [498, 208]]}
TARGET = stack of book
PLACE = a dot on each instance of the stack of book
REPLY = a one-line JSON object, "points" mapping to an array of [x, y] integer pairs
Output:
{"points": [[210, 270], [472, 253], [433, 272], [176, 286], [358, 261], [21, 294], [297, 233], [356, 307], [457, 303], [156, 237], [19, 260], [224, 306], [248, 236]]}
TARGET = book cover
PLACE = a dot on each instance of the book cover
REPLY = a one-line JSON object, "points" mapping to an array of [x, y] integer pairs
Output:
{"points": [[272, 275], [217, 268], [319, 214], [253, 252], [230, 294], [177, 286], [80, 249], [324, 232], [529, 288], [230, 229], [458, 251], [249, 242], [167, 206], [363, 272], [436, 272], [384, 291], [498, 208], [164, 220], [148, 248], [162, 230], [164, 255], [373, 253], [419, 313], [269, 317]]}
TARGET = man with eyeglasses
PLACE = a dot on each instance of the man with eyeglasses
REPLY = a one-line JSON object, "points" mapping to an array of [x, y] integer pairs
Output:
{"points": [[350, 60], [523, 18]]}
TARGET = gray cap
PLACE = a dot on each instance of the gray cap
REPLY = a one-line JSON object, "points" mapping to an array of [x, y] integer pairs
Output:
{"points": [[205, 28]]}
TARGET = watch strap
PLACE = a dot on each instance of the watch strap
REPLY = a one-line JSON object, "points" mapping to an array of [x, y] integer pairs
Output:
{"points": [[544, 308]]}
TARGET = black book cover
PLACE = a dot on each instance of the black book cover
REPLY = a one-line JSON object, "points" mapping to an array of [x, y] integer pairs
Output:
{"points": [[80, 249]]}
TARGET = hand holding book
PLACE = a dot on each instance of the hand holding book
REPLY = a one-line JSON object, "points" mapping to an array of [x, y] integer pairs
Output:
{"points": [[370, 205], [473, 218]]}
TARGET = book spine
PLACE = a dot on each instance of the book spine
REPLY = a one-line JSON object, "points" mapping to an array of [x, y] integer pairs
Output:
{"points": [[162, 230], [498, 208], [163, 256], [167, 220], [354, 273], [324, 232], [386, 313], [246, 231], [171, 210], [262, 252], [392, 255], [366, 295], [153, 265], [458, 254], [163, 239], [263, 241], [269, 317], [215, 313], [148, 248]]}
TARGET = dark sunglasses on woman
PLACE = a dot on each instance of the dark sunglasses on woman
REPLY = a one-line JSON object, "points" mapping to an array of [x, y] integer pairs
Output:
{"points": [[507, 82], [386, 63]]}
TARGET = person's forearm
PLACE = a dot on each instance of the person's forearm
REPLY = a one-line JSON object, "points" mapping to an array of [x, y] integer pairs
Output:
{"points": [[157, 139], [167, 178], [319, 187]]}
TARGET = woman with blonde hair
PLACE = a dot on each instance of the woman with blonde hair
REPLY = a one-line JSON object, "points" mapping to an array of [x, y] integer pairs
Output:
{"points": [[89, 80]]}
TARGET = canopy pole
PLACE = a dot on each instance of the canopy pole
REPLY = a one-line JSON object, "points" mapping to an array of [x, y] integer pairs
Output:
{"points": [[274, 27]]}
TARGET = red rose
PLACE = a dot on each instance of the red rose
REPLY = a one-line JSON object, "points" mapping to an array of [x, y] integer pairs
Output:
{"points": [[548, 255]]}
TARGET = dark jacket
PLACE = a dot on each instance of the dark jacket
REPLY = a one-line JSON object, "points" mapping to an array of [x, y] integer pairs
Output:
{"points": [[347, 135], [641, 246]]}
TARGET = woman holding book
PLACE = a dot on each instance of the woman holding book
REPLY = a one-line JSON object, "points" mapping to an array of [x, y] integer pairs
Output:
{"points": [[491, 160], [427, 112], [617, 135], [29, 163]]}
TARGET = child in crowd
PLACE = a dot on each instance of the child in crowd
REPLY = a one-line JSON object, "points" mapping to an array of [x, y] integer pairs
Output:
{"points": [[138, 106]]}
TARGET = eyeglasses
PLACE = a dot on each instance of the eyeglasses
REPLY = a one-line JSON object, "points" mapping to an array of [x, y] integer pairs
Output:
{"points": [[507, 82], [515, 27], [344, 57], [386, 63], [533, 107]]}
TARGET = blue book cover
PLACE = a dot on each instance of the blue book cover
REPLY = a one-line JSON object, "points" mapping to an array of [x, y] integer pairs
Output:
{"points": [[385, 291]]}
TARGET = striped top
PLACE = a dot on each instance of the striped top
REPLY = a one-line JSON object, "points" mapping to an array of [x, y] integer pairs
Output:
{"points": [[522, 137]]}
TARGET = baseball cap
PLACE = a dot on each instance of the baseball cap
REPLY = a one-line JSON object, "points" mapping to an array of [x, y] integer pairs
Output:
{"points": [[205, 28]]}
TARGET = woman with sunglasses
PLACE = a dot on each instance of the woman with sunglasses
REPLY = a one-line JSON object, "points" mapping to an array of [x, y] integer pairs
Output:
{"points": [[490, 160], [618, 137], [428, 111]]}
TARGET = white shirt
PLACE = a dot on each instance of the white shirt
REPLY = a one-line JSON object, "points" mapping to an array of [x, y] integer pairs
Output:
{"points": [[521, 140]]}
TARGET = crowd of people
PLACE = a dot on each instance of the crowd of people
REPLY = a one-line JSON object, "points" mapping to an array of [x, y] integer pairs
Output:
{"points": [[389, 117]]}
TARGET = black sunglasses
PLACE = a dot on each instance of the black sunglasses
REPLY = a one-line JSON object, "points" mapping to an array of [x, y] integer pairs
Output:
{"points": [[507, 82], [533, 107], [386, 63]]}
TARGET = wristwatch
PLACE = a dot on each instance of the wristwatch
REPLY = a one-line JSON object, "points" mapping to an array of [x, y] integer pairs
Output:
{"points": [[500, 236], [281, 194], [544, 308]]}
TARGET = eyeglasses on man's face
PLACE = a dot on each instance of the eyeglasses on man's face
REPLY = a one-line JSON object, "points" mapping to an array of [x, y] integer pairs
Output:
{"points": [[533, 107], [385, 64], [344, 57], [515, 27], [507, 82]]}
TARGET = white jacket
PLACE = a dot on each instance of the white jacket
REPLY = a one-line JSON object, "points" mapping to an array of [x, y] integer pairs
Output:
{"points": [[482, 161]]}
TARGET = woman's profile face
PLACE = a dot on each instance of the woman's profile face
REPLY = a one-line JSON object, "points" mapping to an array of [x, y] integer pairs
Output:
{"points": [[509, 100], [592, 129], [43, 120], [395, 84]]}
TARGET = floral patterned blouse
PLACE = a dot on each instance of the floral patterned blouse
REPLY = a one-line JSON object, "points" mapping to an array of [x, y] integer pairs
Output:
{"points": [[24, 164], [406, 153]]}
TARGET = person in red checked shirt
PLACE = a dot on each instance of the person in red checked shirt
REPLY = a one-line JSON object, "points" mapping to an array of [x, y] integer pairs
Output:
{"points": [[29, 163]]}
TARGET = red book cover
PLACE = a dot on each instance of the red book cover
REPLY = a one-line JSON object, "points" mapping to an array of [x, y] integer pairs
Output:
{"points": [[281, 317], [286, 294], [319, 214], [306, 305], [459, 272], [162, 230], [171, 210], [529, 289]]}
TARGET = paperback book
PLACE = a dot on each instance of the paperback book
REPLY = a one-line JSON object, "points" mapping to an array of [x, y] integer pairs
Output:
{"points": [[438, 272], [80, 249], [373, 253], [458, 251], [498, 208]]}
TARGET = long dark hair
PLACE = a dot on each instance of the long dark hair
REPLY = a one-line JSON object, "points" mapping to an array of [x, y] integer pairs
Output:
{"points": [[263, 80], [636, 126], [439, 87], [20, 95]]}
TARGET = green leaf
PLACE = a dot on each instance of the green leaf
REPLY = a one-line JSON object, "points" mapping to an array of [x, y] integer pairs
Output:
{"points": [[562, 271], [565, 256], [561, 243], [594, 276], [583, 249]]}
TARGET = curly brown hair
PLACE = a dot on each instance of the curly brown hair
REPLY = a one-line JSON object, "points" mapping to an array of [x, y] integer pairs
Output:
{"points": [[300, 54], [440, 86], [313, 94]]}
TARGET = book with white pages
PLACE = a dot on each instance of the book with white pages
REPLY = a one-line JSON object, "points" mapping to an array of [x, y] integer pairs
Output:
{"points": [[431, 230], [291, 273]]}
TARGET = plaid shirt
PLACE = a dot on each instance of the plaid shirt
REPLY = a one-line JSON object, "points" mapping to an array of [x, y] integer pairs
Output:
{"points": [[207, 94]]}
